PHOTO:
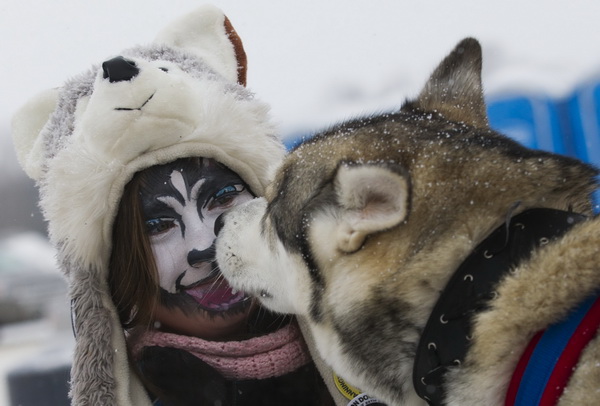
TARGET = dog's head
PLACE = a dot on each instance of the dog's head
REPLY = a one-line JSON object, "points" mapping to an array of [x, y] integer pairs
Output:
{"points": [[267, 248], [388, 206]]}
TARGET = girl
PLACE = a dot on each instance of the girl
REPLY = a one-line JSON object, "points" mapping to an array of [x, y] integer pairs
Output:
{"points": [[209, 344], [135, 160]]}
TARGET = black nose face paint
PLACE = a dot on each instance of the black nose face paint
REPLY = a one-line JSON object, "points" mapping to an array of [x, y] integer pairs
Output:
{"points": [[219, 223]]}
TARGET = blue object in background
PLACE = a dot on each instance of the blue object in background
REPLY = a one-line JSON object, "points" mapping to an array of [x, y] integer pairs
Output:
{"points": [[584, 113], [568, 126], [292, 141], [532, 120], [583, 108]]}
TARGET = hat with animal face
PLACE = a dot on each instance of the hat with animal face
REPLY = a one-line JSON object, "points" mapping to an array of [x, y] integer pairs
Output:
{"points": [[183, 95]]}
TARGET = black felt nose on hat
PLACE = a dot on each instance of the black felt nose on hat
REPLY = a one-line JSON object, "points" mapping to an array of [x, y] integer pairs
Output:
{"points": [[119, 69]]}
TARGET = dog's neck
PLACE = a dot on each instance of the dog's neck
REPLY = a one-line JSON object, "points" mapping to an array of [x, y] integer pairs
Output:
{"points": [[445, 339]]}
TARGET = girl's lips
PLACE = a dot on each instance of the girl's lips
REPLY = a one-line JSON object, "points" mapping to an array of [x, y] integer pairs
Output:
{"points": [[216, 295]]}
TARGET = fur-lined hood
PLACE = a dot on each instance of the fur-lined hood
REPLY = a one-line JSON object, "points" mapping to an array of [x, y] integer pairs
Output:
{"points": [[84, 141]]}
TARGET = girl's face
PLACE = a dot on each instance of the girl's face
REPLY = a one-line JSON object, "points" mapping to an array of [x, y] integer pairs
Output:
{"points": [[180, 203]]}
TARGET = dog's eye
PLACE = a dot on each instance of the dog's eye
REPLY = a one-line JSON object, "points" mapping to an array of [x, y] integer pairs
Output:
{"points": [[164, 69]]}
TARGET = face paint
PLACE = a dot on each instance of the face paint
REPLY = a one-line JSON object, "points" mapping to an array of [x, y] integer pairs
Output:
{"points": [[180, 203]]}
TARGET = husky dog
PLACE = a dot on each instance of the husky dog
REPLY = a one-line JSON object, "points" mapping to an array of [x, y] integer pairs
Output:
{"points": [[424, 251]]}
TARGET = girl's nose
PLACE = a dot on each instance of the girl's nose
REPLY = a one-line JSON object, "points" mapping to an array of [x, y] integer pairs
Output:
{"points": [[219, 223], [196, 257]]}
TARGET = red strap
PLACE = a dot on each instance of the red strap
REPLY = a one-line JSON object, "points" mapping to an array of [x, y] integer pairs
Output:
{"points": [[515, 381], [570, 356]]}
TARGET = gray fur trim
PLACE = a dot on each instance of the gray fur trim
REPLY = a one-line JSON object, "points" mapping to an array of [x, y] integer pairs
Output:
{"points": [[61, 123], [92, 378]]}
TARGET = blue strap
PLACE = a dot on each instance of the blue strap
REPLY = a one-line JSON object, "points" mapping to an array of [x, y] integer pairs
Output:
{"points": [[546, 354]]}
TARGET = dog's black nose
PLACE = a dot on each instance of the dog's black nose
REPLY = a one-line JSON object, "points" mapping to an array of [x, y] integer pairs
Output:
{"points": [[119, 69], [219, 223]]}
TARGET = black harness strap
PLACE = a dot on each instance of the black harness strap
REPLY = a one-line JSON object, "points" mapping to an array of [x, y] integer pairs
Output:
{"points": [[446, 336]]}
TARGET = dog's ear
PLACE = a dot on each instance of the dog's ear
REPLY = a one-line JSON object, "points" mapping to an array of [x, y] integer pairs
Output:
{"points": [[454, 89], [373, 198]]}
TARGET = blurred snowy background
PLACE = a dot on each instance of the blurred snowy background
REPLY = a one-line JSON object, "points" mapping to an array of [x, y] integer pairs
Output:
{"points": [[316, 63]]}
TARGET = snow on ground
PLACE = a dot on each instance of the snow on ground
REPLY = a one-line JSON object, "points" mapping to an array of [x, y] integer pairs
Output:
{"points": [[39, 345]]}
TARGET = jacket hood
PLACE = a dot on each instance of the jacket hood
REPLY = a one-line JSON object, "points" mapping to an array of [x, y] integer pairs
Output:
{"points": [[180, 96]]}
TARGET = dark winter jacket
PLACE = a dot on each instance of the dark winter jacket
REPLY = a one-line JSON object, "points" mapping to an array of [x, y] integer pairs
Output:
{"points": [[178, 378]]}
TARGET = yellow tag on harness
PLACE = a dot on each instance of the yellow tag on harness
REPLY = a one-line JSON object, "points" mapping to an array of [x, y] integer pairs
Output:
{"points": [[345, 389]]}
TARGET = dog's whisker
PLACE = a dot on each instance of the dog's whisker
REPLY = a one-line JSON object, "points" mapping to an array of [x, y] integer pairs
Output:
{"points": [[216, 283]]}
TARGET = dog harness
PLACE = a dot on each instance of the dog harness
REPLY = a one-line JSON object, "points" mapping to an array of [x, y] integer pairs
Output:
{"points": [[446, 336], [548, 361]]}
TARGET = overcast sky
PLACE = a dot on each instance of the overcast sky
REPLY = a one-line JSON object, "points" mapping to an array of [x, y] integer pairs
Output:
{"points": [[315, 62]]}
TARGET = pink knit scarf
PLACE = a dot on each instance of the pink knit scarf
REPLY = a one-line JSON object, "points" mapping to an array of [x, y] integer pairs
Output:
{"points": [[274, 354]]}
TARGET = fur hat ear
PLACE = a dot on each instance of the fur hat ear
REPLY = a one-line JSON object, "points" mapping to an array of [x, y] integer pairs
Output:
{"points": [[373, 198], [454, 88], [27, 125], [207, 33]]}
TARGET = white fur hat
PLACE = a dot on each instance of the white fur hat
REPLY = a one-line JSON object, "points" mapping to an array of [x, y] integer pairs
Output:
{"points": [[180, 96]]}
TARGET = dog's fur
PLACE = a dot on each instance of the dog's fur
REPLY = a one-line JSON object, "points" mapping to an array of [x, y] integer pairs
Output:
{"points": [[365, 224]]}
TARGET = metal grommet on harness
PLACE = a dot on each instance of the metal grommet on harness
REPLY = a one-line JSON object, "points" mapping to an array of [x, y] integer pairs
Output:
{"points": [[472, 287]]}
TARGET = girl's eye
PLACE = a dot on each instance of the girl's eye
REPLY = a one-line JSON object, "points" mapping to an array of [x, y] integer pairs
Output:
{"points": [[225, 196], [158, 226], [226, 189]]}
